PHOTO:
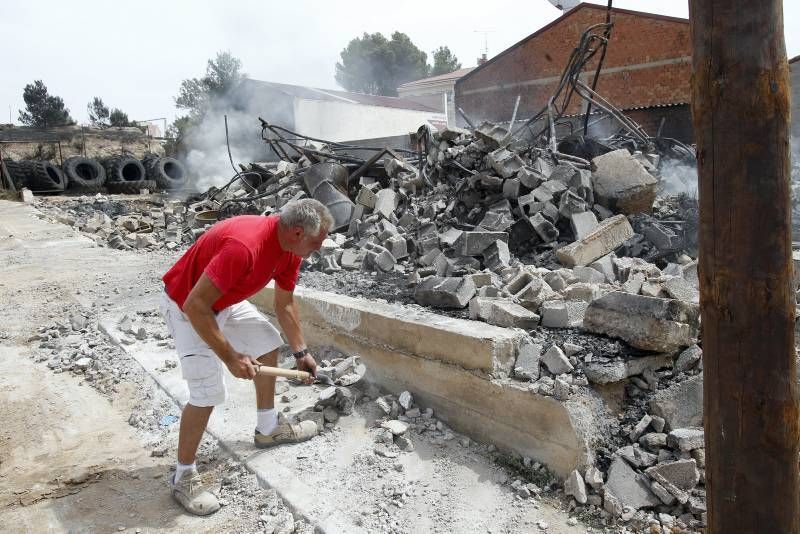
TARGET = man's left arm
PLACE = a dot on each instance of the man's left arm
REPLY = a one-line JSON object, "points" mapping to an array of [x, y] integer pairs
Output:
{"points": [[289, 319]]}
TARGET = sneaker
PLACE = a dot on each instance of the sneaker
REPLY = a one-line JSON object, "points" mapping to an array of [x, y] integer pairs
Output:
{"points": [[286, 432], [190, 494]]}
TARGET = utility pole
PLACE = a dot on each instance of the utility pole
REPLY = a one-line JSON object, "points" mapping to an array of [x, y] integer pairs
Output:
{"points": [[740, 104]]}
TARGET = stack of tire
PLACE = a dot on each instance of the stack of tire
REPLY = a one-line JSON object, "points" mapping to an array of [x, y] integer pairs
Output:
{"points": [[38, 176], [119, 174]]}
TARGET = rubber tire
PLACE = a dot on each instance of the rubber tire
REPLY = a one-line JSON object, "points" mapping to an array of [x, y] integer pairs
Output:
{"points": [[130, 187], [77, 165], [38, 176], [117, 166], [159, 169]]}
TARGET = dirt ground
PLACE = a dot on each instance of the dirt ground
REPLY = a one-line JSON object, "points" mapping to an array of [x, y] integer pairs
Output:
{"points": [[93, 452]]}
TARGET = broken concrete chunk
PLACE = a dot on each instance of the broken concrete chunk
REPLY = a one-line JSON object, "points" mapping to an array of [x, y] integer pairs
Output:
{"points": [[492, 135], [594, 477], [622, 184], [563, 314], [606, 237], [681, 474], [366, 197], [556, 362], [406, 400], [688, 359], [635, 456], [504, 162], [385, 203], [686, 439], [474, 243], [453, 292], [575, 486], [599, 372], [629, 487], [544, 228], [583, 224], [640, 427], [681, 289], [681, 405], [496, 256], [528, 357], [646, 323], [397, 428]]}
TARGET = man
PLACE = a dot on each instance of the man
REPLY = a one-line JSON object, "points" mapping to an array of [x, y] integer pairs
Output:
{"points": [[214, 326]]}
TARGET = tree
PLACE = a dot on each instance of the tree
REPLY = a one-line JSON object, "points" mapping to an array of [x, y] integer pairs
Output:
{"points": [[101, 117], [43, 109], [444, 61], [222, 74], [119, 118], [374, 65], [98, 112]]}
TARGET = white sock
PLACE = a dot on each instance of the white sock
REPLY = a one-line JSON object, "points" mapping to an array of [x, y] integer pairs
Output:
{"points": [[267, 420], [180, 469]]}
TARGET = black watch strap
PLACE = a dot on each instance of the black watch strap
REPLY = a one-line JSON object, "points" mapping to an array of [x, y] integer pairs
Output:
{"points": [[300, 353]]}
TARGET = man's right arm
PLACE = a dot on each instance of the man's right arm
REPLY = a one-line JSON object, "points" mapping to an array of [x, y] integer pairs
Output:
{"points": [[198, 307]]}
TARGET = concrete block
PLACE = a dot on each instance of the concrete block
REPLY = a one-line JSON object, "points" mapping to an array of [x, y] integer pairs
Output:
{"points": [[686, 439], [681, 405], [474, 243], [531, 291], [511, 188], [662, 236], [501, 312], [646, 323], [622, 184], [570, 204], [530, 177], [583, 224], [398, 246], [556, 361], [496, 256], [449, 237], [605, 265], [498, 218], [385, 203], [587, 275], [366, 197], [629, 487], [504, 162], [608, 235], [492, 135], [544, 228], [582, 291], [528, 357], [452, 292], [634, 284], [563, 313], [600, 372]]}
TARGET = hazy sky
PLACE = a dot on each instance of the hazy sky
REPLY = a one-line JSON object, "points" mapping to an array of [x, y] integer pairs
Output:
{"points": [[135, 54]]}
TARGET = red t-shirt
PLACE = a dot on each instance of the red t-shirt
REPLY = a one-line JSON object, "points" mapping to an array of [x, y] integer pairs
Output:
{"points": [[240, 256]]}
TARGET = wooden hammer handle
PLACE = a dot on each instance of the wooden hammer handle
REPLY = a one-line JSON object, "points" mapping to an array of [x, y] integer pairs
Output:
{"points": [[265, 370]]}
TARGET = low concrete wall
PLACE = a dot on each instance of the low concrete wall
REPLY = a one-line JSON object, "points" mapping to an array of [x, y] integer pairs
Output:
{"points": [[448, 365]]}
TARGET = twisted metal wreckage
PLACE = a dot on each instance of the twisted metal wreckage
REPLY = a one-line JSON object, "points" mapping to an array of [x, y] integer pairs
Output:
{"points": [[455, 176]]}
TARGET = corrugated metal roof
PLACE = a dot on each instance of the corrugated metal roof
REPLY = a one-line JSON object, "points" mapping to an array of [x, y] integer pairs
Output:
{"points": [[328, 95], [455, 75]]}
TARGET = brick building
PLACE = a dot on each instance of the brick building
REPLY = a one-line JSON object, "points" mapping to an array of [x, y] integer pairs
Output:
{"points": [[646, 72]]}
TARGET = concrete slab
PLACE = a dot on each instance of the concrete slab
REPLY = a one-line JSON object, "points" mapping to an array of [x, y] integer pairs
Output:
{"points": [[418, 351]]}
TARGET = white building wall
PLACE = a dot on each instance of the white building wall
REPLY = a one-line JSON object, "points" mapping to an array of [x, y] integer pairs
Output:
{"points": [[342, 121]]}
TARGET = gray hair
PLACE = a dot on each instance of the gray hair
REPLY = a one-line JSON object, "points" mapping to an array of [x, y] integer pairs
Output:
{"points": [[308, 213]]}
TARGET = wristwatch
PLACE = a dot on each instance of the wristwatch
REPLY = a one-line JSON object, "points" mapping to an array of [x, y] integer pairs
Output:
{"points": [[300, 353]]}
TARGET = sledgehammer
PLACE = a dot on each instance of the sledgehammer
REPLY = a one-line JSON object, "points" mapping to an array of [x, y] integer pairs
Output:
{"points": [[266, 370]]}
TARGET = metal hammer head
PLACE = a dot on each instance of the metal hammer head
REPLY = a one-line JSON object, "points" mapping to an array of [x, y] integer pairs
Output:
{"points": [[322, 378]]}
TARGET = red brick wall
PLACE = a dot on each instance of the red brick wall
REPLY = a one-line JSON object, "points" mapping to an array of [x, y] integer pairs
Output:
{"points": [[635, 40]]}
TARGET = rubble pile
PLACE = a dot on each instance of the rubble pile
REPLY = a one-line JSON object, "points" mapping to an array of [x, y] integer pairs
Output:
{"points": [[151, 224]]}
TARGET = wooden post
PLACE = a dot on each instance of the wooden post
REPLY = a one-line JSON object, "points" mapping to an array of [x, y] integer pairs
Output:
{"points": [[740, 104]]}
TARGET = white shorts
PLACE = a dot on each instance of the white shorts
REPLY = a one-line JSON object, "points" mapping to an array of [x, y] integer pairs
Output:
{"points": [[244, 327]]}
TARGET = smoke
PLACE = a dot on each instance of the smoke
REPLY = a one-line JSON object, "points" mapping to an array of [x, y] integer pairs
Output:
{"points": [[206, 149], [678, 177]]}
